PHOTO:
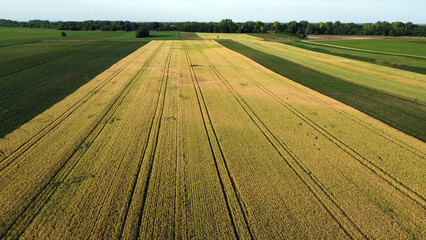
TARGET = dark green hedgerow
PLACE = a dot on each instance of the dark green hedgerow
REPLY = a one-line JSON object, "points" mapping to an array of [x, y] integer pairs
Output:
{"points": [[406, 115], [33, 84]]}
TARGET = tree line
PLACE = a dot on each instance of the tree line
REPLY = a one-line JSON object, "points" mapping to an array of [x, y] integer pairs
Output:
{"points": [[300, 29]]}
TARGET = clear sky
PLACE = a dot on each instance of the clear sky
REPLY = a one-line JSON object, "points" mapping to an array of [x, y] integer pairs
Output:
{"points": [[358, 11]]}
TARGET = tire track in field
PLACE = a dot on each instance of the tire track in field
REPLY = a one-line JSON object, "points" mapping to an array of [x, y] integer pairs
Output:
{"points": [[7, 160], [92, 233], [25, 218], [285, 152], [208, 122], [151, 144], [388, 137], [376, 170], [180, 211]]}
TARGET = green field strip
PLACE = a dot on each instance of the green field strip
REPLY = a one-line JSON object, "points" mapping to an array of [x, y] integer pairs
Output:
{"points": [[404, 114], [352, 54], [372, 46], [5, 43], [25, 63], [11, 35], [27, 93]]}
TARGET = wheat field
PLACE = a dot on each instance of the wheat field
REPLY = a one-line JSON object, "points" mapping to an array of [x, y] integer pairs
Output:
{"points": [[188, 139]]}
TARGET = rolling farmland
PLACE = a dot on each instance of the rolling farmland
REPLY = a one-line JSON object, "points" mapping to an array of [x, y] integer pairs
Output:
{"points": [[11, 36], [189, 139]]}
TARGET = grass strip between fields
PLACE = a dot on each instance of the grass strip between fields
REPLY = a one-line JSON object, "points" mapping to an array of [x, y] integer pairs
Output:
{"points": [[317, 48], [366, 45], [406, 115]]}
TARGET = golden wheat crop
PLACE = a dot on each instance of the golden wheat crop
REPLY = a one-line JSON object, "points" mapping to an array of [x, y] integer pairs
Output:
{"points": [[188, 139]]}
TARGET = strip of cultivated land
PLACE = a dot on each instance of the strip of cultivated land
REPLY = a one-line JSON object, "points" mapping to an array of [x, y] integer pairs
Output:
{"points": [[398, 46], [413, 64], [394, 81], [12, 35], [35, 76], [233, 36], [188, 139], [372, 92], [189, 36]]}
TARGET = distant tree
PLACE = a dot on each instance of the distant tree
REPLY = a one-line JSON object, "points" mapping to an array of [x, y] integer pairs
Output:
{"points": [[227, 25], [63, 34], [142, 32], [155, 25]]}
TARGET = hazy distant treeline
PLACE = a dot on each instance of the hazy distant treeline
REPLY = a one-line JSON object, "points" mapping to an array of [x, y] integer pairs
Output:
{"points": [[300, 29]]}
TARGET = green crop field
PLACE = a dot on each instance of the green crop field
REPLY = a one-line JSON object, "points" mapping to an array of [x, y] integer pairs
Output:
{"points": [[10, 36], [413, 64], [404, 46], [404, 114], [35, 76]]}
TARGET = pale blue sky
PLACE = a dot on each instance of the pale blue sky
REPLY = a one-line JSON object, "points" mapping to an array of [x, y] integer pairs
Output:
{"points": [[358, 11]]}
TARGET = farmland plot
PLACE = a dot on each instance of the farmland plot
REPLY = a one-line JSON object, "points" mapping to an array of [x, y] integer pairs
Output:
{"points": [[401, 83], [188, 139]]}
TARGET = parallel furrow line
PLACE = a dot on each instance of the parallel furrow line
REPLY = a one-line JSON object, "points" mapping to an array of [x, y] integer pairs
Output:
{"points": [[386, 136], [378, 171], [152, 154], [277, 144], [43, 196], [153, 130], [203, 105], [57, 121]]}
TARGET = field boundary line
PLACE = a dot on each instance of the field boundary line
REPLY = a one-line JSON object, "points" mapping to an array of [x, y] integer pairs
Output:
{"points": [[52, 185]]}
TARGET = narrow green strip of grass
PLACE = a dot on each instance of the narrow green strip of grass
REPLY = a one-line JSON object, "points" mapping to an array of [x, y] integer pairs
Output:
{"points": [[5, 43], [29, 92], [406, 115], [355, 57]]}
